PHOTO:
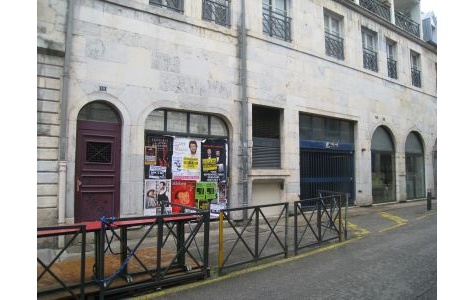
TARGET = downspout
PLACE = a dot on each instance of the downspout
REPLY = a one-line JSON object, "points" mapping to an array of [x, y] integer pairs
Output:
{"points": [[244, 109], [63, 143]]}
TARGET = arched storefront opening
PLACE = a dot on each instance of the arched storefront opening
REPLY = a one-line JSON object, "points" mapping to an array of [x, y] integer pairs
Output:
{"points": [[415, 173], [97, 175], [382, 167], [185, 161]]}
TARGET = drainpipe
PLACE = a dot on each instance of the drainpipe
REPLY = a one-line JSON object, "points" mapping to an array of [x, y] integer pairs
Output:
{"points": [[64, 116], [244, 109]]}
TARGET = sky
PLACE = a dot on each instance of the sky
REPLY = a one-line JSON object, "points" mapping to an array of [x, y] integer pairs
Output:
{"points": [[429, 5]]}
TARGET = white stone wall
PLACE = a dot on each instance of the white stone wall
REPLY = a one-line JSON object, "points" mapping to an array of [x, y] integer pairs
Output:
{"points": [[150, 57], [51, 17]]}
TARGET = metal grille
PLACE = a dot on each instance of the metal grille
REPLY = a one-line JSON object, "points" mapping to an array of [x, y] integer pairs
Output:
{"points": [[176, 5], [380, 9], [416, 77], [392, 68], [370, 60], [329, 170], [334, 46], [216, 12], [98, 152], [407, 24], [276, 24]]}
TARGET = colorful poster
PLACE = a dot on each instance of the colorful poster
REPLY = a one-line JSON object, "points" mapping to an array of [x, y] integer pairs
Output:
{"points": [[205, 193], [186, 159], [183, 193], [164, 153], [156, 192], [214, 158], [150, 155]]}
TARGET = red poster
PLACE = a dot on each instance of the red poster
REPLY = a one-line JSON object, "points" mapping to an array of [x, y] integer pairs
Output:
{"points": [[183, 193]]}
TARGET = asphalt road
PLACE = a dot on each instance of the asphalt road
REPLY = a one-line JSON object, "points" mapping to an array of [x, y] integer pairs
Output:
{"points": [[389, 255]]}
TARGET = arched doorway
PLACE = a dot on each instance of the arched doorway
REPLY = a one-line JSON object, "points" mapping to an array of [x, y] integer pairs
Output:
{"points": [[97, 176], [185, 161], [415, 173], [382, 166]]}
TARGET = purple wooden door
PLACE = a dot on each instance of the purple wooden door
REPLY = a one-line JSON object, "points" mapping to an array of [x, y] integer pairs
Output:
{"points": [[97, 186]]}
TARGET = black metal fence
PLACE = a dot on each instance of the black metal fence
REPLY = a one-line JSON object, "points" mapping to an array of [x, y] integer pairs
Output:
{"points": [[318, 221], [257, 236], [370, 59], [392, 68], [176, 5], [276, 23], [416, 77], [334, 46], [130, 254], [216, 11], [378, 8], [135, 255]]}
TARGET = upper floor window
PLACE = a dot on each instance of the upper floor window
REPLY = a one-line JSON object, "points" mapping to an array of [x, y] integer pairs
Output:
{"points": [[176, 5], [416, 68], [333, 36], [275, 19], [216, 11], [392, 62], [370, 55]]}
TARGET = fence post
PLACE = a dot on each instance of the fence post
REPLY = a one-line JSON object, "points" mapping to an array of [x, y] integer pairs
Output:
{"points": [[220, 242], [347, 197], [429, 200]]}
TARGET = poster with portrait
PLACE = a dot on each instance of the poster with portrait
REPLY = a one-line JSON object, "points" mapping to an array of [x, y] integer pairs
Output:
{"points": [[214, 160], [163, 156], [186, 160], [183, 193], [156, 192], [150, 197]]}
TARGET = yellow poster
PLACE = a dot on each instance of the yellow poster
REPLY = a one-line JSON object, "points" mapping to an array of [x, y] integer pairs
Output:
{"points": [[190, 163]]}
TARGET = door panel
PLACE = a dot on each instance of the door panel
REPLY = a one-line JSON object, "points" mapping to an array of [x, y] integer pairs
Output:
{"points": [[97, 186]]}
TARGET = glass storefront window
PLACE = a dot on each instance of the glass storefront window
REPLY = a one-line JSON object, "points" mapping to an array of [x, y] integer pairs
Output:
{"points": [[198, 124], [156, 120], [176, 121], [218, 127]]}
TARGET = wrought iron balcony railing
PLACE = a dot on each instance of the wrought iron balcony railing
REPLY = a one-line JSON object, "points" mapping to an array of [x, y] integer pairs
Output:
{"points": [[378, 8], [217, 12], [176, 5], [407, 24], [370, 59], [392, 68], [276, 24], [334, 46], [416, 77]]}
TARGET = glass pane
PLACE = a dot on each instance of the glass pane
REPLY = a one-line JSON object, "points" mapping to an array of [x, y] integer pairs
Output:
{"points": [[318, 129], [99, 111], [198, 124], [346, 132], [176, 121], [381, 141], [155, 120], [305, 127], [218, 127], [332, 129], [413, 144]]}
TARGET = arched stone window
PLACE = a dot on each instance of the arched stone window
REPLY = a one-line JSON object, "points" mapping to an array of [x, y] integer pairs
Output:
{"points": [[415, 173], [382, 166]]}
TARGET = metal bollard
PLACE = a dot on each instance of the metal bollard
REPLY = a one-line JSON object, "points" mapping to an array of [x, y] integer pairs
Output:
{"points": [[429, 200]]}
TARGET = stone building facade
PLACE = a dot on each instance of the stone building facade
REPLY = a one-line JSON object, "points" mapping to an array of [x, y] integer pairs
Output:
{"points": [[309, 95]]}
